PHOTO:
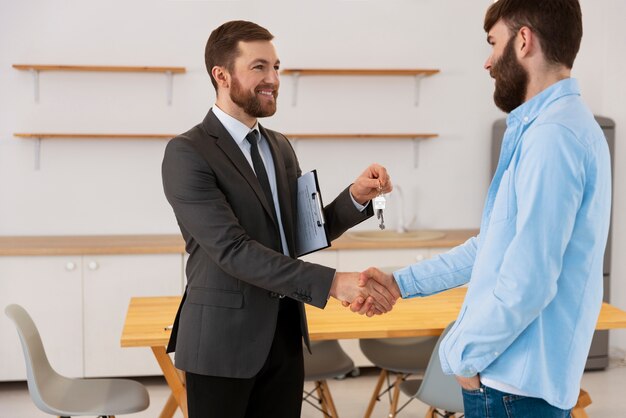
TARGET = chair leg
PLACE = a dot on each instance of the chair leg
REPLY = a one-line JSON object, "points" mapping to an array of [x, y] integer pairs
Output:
{"points": [[170, 407], [430, 413], [328, 399], [584, 400], [320, 394], [379, 384], [396, 395]]}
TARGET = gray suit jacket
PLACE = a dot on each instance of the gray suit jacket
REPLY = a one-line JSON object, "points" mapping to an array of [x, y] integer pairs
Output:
{"points": [[226, 321]]}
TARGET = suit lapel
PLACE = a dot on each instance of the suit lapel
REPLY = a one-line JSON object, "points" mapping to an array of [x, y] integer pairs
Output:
{"points": [[228, 145], [284, 195]]}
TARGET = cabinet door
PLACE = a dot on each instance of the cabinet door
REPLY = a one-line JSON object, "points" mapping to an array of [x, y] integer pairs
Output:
{"points": [[49, 288], [110, 282]]}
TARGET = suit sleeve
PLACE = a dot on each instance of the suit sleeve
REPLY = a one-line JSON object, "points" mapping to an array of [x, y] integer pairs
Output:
{"points": [[201, 208]]}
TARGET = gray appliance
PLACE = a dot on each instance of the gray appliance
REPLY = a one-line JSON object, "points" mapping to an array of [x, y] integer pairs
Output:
{"points": [[599, 352]]}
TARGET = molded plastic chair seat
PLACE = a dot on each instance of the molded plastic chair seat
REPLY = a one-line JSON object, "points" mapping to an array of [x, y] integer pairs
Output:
{"points": [[327, 361], [403, 356], [62, 396], [400, 355], [436, 389]]}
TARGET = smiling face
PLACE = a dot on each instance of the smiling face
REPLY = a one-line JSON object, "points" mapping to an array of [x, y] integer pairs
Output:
{"points": [[503, 65], [254, 79]]}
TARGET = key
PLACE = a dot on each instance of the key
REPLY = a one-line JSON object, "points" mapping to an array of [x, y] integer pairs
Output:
{"points": [[379, 205]]}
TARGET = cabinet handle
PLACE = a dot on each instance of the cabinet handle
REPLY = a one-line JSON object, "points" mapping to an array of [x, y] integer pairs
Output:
{"points": [[419, 257], [93, 265], [70, 266]]}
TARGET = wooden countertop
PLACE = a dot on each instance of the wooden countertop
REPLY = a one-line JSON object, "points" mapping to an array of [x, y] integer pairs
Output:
{"points": [[173, 243], [91, 244]]}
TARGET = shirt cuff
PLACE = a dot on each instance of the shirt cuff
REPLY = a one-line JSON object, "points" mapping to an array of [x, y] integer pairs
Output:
{"points": [[357, 205]]}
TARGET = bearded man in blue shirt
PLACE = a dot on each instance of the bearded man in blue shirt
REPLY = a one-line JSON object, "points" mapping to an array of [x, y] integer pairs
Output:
{"points": [[519, 345]]}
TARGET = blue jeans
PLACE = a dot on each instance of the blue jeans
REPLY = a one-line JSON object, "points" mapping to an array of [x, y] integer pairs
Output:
{"points": [[490, 403]]}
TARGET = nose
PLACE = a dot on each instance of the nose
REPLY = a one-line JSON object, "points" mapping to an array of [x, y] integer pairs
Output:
{"points": [[273, 77], [487, 65]]}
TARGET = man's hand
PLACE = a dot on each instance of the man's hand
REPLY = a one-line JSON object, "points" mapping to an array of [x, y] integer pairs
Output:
{"points": [[469, 383], [368, 277], [347, 288], [373, 181]]}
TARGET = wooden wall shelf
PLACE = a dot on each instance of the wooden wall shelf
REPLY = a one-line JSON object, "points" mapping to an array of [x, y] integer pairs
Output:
{"points": [[415, 137], [42, 135], [38, 136], [359, 71], [361, 136], [418, 73], [37, 68], [101, 68]]}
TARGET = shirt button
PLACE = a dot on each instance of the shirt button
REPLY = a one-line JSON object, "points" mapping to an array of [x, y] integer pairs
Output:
{"points": [[525, 118], [496, 354]]}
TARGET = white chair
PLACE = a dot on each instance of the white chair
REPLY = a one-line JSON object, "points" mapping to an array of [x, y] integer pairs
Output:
{"points": [[327, 361], [401, 356], [439, 391], [64, 397]]}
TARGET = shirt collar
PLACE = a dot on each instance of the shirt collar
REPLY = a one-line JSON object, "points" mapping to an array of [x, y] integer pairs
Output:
{"points": [[527, 112], [235, 128]]}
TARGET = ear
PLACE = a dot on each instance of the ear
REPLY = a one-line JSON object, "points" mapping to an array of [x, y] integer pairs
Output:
{"points": [[526, 42], [221, 76]]}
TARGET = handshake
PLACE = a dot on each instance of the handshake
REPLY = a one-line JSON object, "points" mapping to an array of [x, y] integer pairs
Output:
{"points": [[371, 292]]}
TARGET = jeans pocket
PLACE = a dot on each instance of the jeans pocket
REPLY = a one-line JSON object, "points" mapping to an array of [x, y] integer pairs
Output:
{"points": [[477, 391], [523, 406], [474, 402]]}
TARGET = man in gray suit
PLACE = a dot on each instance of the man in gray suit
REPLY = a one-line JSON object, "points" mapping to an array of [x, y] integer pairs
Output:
{"points": [[232, 184]]}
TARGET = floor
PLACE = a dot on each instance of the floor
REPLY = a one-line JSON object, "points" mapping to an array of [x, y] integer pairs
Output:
{"points": [[607, 389]]}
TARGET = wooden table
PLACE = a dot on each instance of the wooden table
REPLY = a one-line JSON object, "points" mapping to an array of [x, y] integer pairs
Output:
{"points": [[148, 317]]}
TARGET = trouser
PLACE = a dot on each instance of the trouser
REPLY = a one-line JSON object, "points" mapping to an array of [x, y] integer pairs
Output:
{"points": [[490, 403], [276, 391]]}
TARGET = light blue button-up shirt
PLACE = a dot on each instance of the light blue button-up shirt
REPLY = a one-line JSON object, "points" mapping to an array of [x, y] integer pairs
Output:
{"points": [[535, 269]]}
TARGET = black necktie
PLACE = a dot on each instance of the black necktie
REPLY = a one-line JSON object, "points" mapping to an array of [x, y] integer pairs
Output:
{"points": [[259, 169]]}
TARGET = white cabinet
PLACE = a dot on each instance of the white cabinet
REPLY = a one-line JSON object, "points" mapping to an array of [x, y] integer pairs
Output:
{"points": [[78, 304], [109, 282], [50, 289]]}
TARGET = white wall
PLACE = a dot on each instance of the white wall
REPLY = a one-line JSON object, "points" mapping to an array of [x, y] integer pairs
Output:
{"points": [[113, 186]]}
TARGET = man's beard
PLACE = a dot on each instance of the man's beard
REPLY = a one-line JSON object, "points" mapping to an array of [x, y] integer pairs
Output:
{"points": [[250, 103], [511, 79]]}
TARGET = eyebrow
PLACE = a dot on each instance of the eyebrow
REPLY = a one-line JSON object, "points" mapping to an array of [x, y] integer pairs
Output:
{"points": [[263, 61]]}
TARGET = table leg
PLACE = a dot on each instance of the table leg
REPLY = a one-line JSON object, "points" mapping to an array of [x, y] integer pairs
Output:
{"points": [[584, 400], [174, 381]]}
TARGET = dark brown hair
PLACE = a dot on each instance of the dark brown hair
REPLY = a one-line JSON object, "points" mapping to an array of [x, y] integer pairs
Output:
{"points": [[557, 23], [222, 48]]}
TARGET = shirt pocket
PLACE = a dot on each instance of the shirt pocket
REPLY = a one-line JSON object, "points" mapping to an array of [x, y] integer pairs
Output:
{"points": [[501, 206]]}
